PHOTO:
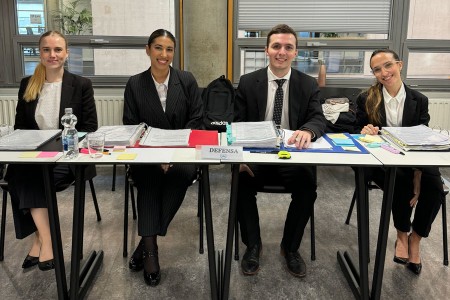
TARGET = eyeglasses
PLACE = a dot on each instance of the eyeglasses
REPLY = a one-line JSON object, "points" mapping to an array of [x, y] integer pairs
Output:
{"points": [[387, 66]]}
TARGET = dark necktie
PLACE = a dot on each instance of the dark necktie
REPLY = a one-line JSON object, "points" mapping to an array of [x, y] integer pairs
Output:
{"points": [[278, 106]]}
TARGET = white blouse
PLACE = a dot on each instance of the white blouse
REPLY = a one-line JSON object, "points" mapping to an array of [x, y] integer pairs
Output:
{"points": [[47, 109]]}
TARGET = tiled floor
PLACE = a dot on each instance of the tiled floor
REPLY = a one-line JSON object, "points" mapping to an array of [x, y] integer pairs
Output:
{"points": [[185, 271]]}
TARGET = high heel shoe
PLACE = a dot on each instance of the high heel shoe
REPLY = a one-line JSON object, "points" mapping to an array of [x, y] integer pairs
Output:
{"points": [[413, 267], [152, 279], [46, 265], [136, 262], [30, 261], [399, 260]]}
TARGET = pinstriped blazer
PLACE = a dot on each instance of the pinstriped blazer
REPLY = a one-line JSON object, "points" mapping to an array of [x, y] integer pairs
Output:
{"points": [[183, 104]]}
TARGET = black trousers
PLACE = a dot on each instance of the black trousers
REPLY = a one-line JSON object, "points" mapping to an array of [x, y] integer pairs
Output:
{"points": [[300, 180], [26, 187], [160, 195], [430, 198]]}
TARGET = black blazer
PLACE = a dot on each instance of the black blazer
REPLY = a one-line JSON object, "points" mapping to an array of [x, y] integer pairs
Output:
{"points": [[305, 111], [183, 104], [415, 111], [76, 92]]}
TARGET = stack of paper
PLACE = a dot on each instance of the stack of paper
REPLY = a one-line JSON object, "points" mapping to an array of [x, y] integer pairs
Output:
{"points": [[27, 139], [254, 134], [418, 137], [155, 137]]}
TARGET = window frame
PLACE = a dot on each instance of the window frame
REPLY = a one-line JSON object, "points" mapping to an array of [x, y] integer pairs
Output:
{"points": [[15, 42]]}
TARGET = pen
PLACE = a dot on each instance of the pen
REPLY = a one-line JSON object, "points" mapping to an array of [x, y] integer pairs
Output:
{"points": [[265, 152], [391, 149]]}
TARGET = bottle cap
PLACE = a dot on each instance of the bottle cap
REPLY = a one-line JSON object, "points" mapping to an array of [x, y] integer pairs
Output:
{"points": [[68, 110]]}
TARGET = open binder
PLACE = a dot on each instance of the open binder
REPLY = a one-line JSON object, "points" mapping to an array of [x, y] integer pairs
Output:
{"points": [[121, 135], [418, 137], [27, 139], [156, 137]]}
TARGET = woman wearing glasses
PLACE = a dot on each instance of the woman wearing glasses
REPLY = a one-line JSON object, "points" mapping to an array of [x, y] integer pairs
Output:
{"points": [[389, 102]]}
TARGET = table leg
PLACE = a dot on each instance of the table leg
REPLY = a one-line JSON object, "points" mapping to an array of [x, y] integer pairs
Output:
{"points": [[55, 232], [79, 283], [359, 283], [383, 232], [230, 231], [209, 232]]}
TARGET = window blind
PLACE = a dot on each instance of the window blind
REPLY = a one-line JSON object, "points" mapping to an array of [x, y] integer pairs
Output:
{"points": [[352, 16]]}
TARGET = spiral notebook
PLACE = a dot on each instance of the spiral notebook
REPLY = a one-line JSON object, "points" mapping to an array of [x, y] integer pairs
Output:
{"points": [[416, 138], [32, 139]]}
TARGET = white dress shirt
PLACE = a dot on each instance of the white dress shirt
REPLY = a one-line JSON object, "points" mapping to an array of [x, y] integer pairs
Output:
{"points": [[161, 88], [394, 107], [47, 108]]}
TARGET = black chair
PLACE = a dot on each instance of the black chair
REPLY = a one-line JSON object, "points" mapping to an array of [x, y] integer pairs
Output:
{"points": [[129, 191], [446, 183], [4, 187]]}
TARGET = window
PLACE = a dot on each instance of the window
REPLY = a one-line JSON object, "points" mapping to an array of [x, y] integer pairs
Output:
{"points": [[106, 38], [344, 33]]}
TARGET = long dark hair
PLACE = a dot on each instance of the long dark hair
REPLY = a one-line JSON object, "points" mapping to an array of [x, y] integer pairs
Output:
{"points": [[161, 32], [374, 94]]}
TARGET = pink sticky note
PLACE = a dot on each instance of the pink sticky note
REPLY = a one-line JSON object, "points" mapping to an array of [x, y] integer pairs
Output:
{"points": [[47, 154]]}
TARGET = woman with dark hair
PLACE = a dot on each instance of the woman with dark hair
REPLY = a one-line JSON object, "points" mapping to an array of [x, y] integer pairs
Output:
{"points": [[167, 98], [391, 103], [42, 100]]}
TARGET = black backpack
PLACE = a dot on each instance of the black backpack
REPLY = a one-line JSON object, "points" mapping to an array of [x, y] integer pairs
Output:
{"points": [[218, 101]]}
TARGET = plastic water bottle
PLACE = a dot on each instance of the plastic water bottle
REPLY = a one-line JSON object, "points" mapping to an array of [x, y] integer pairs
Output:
{"points": [[70, 134]]}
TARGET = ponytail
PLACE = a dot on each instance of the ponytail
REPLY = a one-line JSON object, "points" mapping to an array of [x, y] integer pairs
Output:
{"points": [[373, 103], [35, 84]]}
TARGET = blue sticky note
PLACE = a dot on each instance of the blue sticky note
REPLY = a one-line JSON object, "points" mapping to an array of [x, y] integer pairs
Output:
{"points": [[343, 142]]}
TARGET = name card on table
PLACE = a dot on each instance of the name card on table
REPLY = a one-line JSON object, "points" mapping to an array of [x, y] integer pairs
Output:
{"points": [[222, 152]]}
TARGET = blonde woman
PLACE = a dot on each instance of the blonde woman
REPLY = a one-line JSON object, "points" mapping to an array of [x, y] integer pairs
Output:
{"points": [[42, 100]]}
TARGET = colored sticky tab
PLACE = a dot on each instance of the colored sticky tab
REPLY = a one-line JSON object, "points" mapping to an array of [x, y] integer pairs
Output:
{"points": [[126, 156], [337, 136], [353, 149], [29, 154], [45, 154], [119, 148], [343, 142]]}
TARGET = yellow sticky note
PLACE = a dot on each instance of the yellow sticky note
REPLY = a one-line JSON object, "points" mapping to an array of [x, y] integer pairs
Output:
{"points": [[29, 154], [337, 136], [353, 149], [371, 139], [126, 156]]}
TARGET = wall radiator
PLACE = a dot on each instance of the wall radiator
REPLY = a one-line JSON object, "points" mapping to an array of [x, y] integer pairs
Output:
{"points": [[110, 110]]}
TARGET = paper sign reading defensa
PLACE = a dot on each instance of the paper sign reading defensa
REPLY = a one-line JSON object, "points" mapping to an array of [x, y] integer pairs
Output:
{"points": [[221, 152]]}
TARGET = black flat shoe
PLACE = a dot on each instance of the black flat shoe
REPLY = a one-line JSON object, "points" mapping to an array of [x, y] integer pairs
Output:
{"points": [[30, 261], [250, 260], [413, 267], [295, 263], [151, 279], [46, 265], [399, 260], [136, 262]]}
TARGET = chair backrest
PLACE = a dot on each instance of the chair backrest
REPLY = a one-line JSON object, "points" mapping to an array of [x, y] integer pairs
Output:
{"points": [[346, 120]]}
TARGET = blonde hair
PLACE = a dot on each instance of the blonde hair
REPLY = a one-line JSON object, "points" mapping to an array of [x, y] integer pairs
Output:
{"points": [[374, 94], [37, 80]]}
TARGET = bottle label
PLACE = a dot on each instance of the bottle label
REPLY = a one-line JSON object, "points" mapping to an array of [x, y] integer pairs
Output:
{"points": [[65, 144]]}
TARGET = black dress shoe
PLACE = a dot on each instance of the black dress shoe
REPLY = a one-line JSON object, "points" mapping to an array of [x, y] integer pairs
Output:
{"points": [[152, 279], [30, 261], [399, 260], [46, 265], [295, 263], [250, 260], [136, 262]]}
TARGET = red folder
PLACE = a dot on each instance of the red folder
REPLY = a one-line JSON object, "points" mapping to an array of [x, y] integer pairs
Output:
{"points": [[203, 137]]}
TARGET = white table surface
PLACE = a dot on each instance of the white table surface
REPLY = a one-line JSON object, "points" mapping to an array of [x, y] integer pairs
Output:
{"points": [[412, 158], [14, 157]]}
